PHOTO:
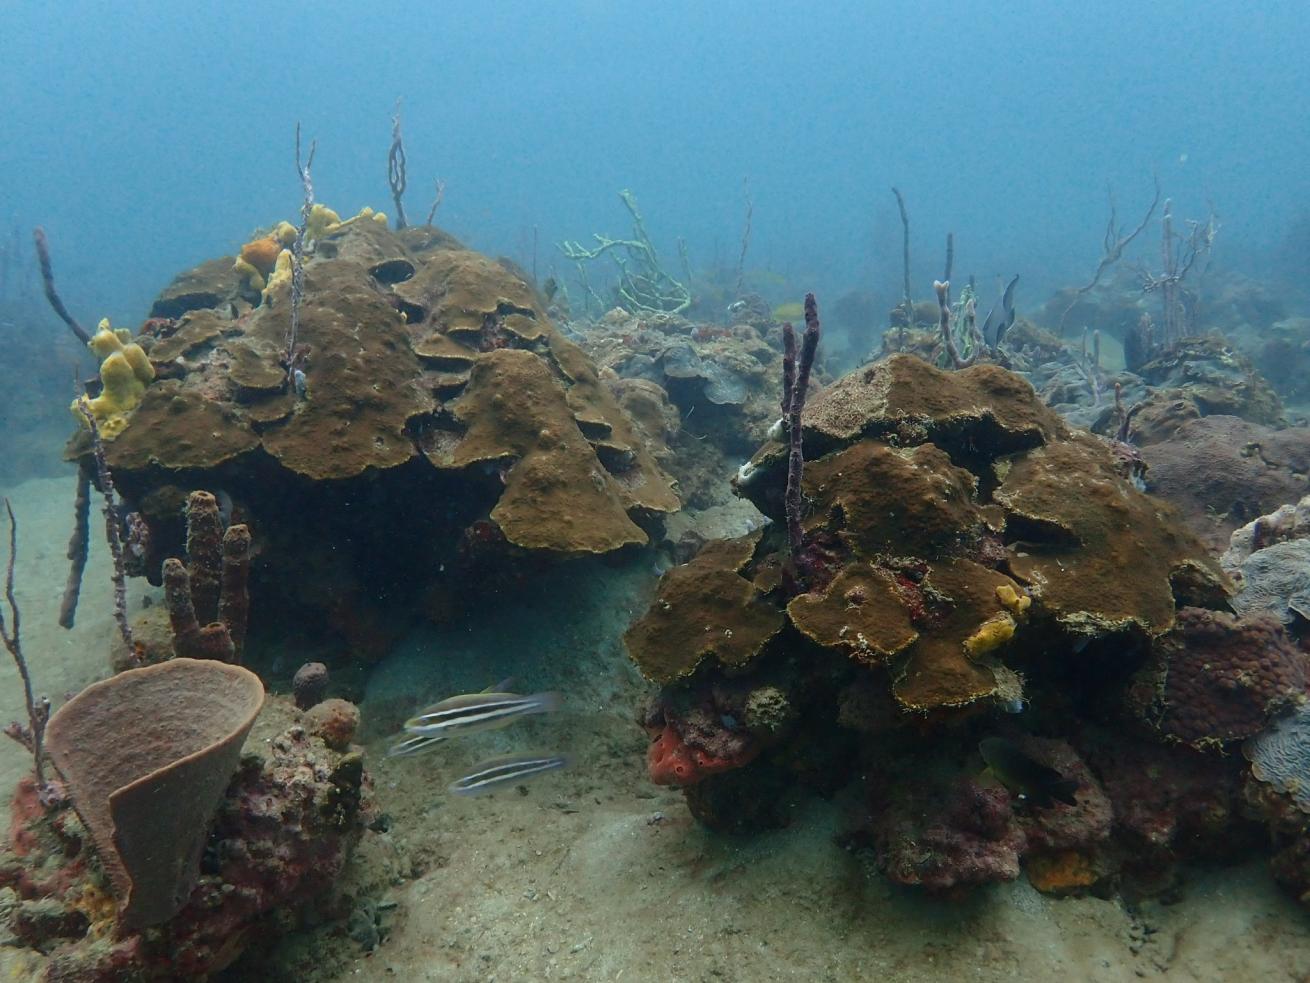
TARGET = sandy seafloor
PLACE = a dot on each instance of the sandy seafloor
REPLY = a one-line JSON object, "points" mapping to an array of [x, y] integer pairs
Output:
{"points": [[595, 874]]}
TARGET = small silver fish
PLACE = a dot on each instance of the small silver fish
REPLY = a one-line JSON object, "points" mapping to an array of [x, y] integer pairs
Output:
{"points": [[413, 746], [471, 713], [497, 772]]}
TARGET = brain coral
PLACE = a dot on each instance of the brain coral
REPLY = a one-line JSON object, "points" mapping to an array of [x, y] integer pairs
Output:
{"points": [[1280, 756]]}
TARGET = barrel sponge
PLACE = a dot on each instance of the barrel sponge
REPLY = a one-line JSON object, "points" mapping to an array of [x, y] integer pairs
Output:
{"points": [[125, 371], [147, 755]]}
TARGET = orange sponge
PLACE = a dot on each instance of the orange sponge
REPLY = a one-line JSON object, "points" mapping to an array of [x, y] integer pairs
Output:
{"points": [[672, 762]]}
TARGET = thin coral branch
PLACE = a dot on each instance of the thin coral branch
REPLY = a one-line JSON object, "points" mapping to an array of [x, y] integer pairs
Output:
{"points": [[298, 260], [31, 735], [745, 238], [1115, 242], [643, 286], [396, 168], [78, 547], [950, 262], [113, 524], [436, 202], [1179, 254], [48, 281], [799, 387]]}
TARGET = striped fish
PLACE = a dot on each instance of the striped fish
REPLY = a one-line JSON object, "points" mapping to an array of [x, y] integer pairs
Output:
{"points": [[498, 772], [470, 713], [413, 746]]}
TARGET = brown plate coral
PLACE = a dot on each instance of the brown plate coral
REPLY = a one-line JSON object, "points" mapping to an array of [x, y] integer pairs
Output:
{"points": [[949, 516], [964, 557], [440, 416]]}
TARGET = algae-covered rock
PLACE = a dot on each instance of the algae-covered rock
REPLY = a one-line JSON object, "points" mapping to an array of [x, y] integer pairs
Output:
{"points": [[1218, 379], [1097, 554], [211, 285]]}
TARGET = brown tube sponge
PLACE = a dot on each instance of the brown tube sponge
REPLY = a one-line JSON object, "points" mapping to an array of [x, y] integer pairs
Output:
{"points": [[147, 755]]}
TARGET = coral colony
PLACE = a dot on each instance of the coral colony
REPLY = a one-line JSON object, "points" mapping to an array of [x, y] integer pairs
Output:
{"points": [[964, 609]]}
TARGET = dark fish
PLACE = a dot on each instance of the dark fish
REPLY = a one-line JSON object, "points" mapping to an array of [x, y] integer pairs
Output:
{"points": [[498, 772], [1040, 785], [1001, 317]]}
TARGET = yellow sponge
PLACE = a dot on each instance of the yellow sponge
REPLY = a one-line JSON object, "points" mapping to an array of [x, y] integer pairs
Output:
{"points": [[125, 371], [991, 634]]}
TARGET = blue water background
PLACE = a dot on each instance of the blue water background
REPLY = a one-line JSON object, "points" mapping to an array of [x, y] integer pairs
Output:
{"points": [[149, 136]]}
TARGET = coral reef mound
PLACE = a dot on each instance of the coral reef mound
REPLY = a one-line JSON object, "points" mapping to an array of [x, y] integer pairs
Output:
{"points": [[950, 517], [428, 413], [968, 566]]}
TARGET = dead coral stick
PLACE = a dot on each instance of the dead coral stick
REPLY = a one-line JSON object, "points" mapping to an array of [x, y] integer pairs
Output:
{"points": [[48, 281], [795, 451], [950, 263], [78, 547], [905, 259], [1124, 416], [113, 527], [436, 202], [1115, 242], [32, 734], [745, 240], [1179, 254], [298, 259], [396, 168]]}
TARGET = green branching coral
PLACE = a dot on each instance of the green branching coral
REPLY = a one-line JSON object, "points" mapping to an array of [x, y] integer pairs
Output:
{"points": [[644, 286]]}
